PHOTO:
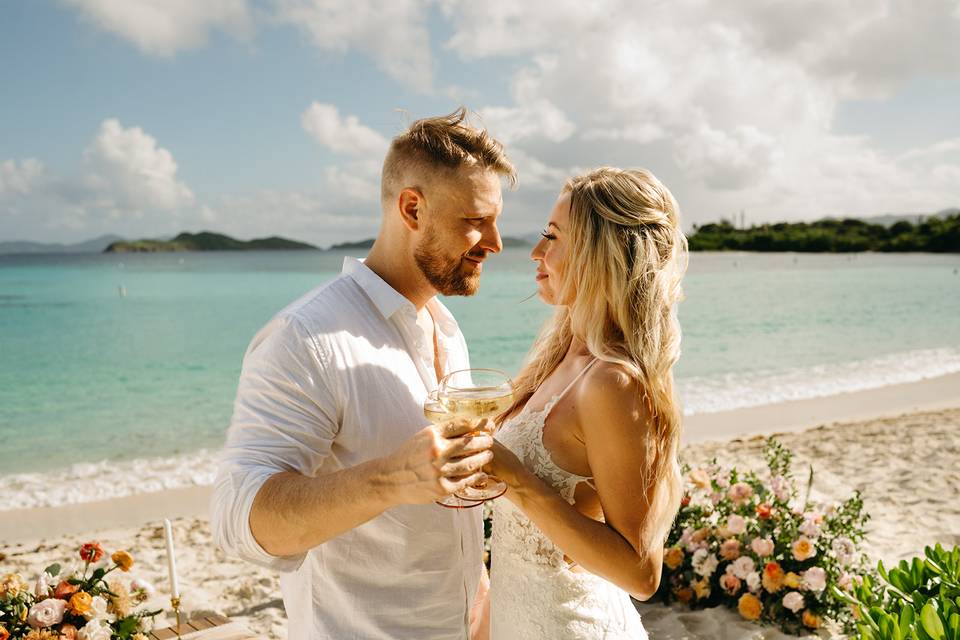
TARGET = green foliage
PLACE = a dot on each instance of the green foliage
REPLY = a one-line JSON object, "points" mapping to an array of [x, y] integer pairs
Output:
{"points": [[916, 600], [939, 235]]}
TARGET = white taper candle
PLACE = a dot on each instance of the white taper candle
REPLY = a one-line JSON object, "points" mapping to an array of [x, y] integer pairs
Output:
{"points": [[171, 560]]}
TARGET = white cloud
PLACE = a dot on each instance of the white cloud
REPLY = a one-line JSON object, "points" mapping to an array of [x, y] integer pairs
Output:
{"points": [[129, 173], [341, 134], [536, 119], [733, 101], [393, 33], [20, 180], [164, 27]]}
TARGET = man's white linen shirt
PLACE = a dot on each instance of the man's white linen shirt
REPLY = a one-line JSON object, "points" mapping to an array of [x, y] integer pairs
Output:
{"points": [[337, 378]]}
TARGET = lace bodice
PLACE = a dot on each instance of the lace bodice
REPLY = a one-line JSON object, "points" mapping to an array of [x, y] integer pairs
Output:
{"points": [[534, 592], [523, 435]]}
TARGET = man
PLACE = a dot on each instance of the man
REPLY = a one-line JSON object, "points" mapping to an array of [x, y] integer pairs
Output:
{"points": [[328, 474]]}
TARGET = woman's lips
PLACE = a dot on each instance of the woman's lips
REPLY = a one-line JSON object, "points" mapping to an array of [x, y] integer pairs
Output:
{"points": [[541, 276]]}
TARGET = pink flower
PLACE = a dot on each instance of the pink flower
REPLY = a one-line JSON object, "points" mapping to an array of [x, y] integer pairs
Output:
{"points": [[740, 493], [46, 613], [814, 579], [742, 567], [715, 498], [730, 549], [763, 547], [780, 488], [730, 583], [793, 601], [736, 525], [811, 524]]}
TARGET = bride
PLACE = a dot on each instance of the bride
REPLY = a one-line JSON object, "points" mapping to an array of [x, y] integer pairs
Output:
{"points": [[589, 448]]}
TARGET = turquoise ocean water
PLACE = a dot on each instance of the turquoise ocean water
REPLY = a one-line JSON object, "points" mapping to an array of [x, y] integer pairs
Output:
{"points": [[88, 375]]}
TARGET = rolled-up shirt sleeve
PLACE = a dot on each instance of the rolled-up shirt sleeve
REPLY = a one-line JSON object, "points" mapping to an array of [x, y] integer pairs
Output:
{"points": [[285, 418]]}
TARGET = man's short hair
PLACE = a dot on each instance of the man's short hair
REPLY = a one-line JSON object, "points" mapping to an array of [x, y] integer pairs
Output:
{"points": [[443, 143]]}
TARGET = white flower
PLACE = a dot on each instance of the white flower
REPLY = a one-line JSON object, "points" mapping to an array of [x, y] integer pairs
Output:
{"points": [[742, 567], [793, 601], [844, 549], [754, 582], [46, 613], [814, 579], [763, 547], [95, 630], [845, 581], [44, 583], [705, 563], [811, 524], [98, 610], [141, 586]]}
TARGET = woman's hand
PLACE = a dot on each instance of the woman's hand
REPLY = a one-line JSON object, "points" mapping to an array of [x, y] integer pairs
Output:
{"points": [[506, 466]]}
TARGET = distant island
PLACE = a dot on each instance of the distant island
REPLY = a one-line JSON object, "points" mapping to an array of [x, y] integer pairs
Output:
{"points": [[933, 234], [507, 241], [205, 241]]}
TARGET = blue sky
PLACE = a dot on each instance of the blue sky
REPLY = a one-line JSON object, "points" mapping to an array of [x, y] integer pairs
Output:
{"points": [[148, 117]]}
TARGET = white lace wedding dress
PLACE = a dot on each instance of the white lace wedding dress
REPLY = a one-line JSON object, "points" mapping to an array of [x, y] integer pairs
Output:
{"points": [[533, 592]]}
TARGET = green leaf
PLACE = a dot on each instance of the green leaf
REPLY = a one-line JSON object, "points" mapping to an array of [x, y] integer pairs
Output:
{"points": [[53, 570], [931, 623], [907, 617]]}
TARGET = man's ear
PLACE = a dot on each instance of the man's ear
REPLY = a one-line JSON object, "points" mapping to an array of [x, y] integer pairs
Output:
{"points": [[411, 207]]}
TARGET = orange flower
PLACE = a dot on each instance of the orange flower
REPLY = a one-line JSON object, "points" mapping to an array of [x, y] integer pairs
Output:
{"points": [[81, 603], [701, 588], [685, 500], [810, 619], [684, 595], [673, 557], [730, 549], [773, 577], [791, 580], [123, 560], [764, 511], [65, 590], [91, 552], [749, 606], [67, 632], [4, 634], [11, 585], [803, 549]]}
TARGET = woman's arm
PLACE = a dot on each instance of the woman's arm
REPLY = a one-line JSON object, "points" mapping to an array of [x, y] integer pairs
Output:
{"points": [[615, 423]]}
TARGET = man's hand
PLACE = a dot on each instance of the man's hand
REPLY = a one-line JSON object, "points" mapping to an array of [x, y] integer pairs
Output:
{"points": [[439, 460]]}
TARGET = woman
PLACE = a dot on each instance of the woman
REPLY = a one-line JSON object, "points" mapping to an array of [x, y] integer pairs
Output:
{"points": [[589, 448]]}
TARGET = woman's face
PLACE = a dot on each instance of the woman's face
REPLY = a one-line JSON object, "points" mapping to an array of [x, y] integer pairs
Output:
{"points": [[550, 253]]}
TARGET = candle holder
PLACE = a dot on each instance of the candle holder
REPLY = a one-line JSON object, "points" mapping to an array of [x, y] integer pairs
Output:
{"points": [[175, 602]]}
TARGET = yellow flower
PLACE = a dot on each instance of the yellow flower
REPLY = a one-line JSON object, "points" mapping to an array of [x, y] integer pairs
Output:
{"points": [[684, 594], [701, 588], [80, 603], [11, 585], [791, 580], [749, 606], [123, 560], [810, 619], [673, 557]]}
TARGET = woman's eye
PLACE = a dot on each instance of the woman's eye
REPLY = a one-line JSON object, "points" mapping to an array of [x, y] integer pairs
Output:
{"points": [[548, 236]]}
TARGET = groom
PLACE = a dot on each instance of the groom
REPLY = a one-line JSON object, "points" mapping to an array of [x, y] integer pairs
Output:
{"points": [[328, 474]]}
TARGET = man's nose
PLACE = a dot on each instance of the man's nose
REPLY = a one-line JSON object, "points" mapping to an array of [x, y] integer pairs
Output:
{"points": [[490, 240]]}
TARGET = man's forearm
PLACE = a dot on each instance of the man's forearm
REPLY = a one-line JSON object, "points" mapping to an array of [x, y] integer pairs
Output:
{"points": [[293, 513]]}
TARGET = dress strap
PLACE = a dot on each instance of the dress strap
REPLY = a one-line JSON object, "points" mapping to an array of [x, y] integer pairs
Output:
{"points": [[556, 398]]}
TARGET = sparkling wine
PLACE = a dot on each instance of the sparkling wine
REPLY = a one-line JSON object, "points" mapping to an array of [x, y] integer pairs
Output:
{"points": [[477, 403]]}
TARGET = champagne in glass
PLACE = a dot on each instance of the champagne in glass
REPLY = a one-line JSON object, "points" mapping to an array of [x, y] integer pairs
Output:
{"points": [[435, 412], [476, 394]]}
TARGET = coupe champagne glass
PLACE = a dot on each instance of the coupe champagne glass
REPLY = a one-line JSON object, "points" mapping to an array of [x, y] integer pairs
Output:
{"points": [[436, 413], [476, 394]]}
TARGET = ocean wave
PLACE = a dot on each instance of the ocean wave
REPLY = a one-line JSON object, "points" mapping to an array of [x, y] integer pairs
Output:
{"points": [[87, 482], [92, 481], [756, 388]]}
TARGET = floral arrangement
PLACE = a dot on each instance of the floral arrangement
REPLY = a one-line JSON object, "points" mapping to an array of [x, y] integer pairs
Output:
{"points": [[82, 604], [745, 541]]}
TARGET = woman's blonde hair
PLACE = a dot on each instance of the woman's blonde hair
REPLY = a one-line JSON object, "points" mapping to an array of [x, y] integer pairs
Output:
{"points": [[625, 259]]}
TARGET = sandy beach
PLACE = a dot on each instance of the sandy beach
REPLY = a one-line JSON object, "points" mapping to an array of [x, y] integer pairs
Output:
{"points": [[899, 446]]}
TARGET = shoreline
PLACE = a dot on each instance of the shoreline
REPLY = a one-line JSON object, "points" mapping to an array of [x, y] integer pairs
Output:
{"points": [[43, 522]]}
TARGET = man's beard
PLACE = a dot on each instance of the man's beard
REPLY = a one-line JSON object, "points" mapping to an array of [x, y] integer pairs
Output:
{"points": [[444, 273]]}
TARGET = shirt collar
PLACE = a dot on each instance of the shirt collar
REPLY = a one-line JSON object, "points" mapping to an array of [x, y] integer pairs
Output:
{"points": [[388, 300]]}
